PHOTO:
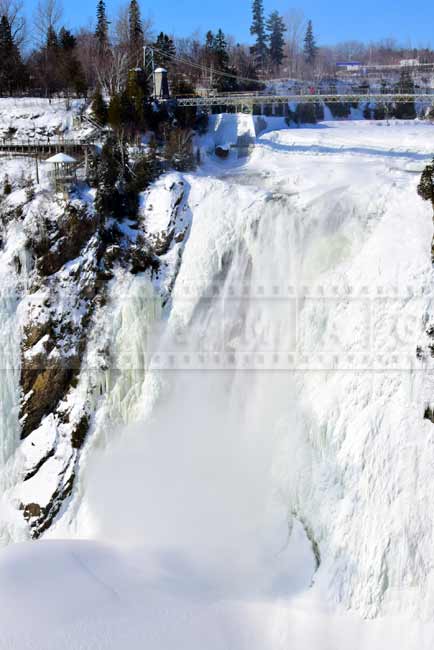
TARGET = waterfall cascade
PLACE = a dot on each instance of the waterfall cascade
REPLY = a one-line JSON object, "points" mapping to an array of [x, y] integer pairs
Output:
{"points": [[270, 378]]}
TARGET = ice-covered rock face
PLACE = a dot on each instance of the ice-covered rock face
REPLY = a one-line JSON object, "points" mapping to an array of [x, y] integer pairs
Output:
{"points": [[72, 287]]}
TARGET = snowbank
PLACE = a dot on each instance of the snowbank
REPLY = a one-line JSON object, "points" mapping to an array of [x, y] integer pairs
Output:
{"points": [[73, 595]]}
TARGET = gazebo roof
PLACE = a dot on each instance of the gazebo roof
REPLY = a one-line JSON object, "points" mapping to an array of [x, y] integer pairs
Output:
{"points": [[61, 158]]}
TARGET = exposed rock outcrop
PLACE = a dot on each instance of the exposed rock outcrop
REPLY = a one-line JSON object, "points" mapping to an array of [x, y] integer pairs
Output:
{"points": [[74, 256]]}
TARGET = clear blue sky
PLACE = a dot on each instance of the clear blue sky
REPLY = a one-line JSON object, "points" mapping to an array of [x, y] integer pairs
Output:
{"points": [[338, 20]]}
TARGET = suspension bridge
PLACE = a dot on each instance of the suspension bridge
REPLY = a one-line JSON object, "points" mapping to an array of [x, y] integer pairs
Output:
{"points": [[249, 100]]}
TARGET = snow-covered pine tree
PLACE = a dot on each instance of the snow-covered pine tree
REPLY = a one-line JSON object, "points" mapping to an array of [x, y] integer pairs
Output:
{"points": [[259, 50], [310, 49], [136, 40], [101, 32], [276, 29]]}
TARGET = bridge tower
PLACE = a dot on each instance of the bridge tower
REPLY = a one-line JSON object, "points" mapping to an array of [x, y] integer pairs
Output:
{"points": [[161, 84], [156, 77]]}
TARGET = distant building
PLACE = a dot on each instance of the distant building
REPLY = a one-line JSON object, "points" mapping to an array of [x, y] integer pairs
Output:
{"points": [[408, 63], [349, 66]]}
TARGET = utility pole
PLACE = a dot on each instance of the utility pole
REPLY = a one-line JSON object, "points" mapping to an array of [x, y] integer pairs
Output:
{"points": [[37, 168]]}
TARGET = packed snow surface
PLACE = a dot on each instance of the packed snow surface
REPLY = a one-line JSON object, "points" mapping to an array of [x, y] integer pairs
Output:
{"points": [[274, 489], [37, 118]]}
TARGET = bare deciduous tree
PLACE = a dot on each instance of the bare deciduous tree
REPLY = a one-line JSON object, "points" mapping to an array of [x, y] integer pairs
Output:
{"points": [[49, 13], [120, 27], [87, 54], [121, 30], [112, 76], [14, 11], [295, 22]]}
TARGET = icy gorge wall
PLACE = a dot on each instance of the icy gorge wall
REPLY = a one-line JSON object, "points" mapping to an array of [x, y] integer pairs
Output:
{"points": [[243, 359], [67, 351]]}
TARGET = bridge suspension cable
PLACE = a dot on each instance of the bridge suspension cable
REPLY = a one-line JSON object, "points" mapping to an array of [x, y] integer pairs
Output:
{"points": [[205, 69]]}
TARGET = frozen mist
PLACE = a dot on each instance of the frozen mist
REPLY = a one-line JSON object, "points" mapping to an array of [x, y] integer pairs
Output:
{"points": [[267, 479]]}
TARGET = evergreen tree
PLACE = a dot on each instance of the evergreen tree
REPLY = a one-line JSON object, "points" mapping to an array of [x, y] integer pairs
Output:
{"points": [[99, 107], [143, 174], [136, 40], [165, 50], [114, 114], [67, 41], [145, 170], [52, 39], [425, 189], [49, 74], [221, 61], [405, 110], [92, 168], [310, 49], [127, 112], [11, 65], [220, 49], [137, 91], [101, 32], [68, 64], [276, 29], [209, 42], [7, 187], [110, 169], [259, 50]]}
